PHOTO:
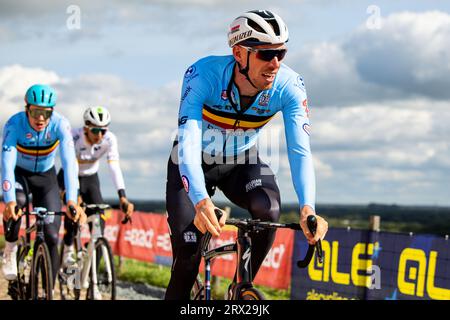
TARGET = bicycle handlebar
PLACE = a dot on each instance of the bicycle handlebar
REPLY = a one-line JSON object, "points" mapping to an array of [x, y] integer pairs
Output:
{"points": [[104, 206], [256, 225], [100, 206]]}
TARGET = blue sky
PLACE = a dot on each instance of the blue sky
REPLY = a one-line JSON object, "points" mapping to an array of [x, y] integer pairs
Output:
{"points": [[379, 98]]}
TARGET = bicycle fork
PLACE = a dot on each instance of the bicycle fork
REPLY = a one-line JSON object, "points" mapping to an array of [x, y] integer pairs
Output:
{"points": [[91, 264], [244, 265], [243, 277]]}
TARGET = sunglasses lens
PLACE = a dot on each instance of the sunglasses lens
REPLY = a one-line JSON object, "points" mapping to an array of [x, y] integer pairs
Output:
{"points": [[98, 130], [268, 55], [36, 113]]}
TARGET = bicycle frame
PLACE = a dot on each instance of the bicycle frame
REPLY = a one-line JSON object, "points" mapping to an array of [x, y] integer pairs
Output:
{"points": [[90, 258], [38, 226], [242, 247], [210, 255]]}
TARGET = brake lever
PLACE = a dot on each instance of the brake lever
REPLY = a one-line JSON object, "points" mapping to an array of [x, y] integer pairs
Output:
{"points": [[311, 222], [312, 226]]}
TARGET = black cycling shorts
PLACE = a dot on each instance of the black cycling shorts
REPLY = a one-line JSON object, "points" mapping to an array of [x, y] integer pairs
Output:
{"points": [[249, 184], [90, 193]]}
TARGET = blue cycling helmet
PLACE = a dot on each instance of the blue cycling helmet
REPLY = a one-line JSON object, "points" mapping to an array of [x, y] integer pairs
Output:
{"points": [[41, 95]]}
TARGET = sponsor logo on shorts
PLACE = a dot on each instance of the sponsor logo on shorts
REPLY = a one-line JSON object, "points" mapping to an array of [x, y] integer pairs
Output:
{"points": [[185, 181], [190, 236], [253, 184]]}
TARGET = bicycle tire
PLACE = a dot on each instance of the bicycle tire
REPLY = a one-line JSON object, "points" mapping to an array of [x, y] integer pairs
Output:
{"points": [[23, 270], [198, 289], [42, 270], [104, 280], [65, 290], [251, 293]]}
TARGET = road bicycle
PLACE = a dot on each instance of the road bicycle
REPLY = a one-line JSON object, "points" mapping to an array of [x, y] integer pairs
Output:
{"points": [[242, 287], [34, 266], [93, 269]]}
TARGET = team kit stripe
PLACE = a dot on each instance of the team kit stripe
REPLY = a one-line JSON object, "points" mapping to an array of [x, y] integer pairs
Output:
{"points": [[86, 161], [227, 120], [228, 115], [37, 151]]}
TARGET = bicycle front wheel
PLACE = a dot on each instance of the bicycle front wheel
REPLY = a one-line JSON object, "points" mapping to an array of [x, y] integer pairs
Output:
{"points": [[198, 290], [251, 293], [102, 284], [69, 278], [41, 274], [24, 264]]}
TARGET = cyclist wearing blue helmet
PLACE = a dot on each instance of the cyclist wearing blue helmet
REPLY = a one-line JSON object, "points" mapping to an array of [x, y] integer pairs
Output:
{"points": [[30, 141]]}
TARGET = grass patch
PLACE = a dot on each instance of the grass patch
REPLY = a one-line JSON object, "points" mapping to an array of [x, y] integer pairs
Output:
{"points": [[137, 271], [2, 242]]}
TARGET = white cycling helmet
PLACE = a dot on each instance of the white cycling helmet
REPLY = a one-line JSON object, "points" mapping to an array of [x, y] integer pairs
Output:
{"points": [[257, 27], [97, 116]]}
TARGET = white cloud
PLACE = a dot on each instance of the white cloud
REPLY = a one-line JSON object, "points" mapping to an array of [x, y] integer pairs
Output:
{"points": [[141, 117], [408, 57], [14, 81]]}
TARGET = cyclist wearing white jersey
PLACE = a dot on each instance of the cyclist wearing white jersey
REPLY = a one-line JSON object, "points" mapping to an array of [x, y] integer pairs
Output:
{"points": [[225, 102], [92, 142]]}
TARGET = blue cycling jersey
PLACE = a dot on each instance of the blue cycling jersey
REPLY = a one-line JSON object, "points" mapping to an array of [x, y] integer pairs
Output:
{"points": [[211, 120], [35, 152]]}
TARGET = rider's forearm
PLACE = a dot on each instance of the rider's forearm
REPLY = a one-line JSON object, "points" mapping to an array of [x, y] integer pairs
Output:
{"points": [[9, 160], [190, 161], [8, 176], [69, 162], [116, 174]]}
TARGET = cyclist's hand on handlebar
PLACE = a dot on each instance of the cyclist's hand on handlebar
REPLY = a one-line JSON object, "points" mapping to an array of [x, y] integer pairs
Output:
{"points": [[223, 218], [126, 206], [322, 225], [205, 217], [10, 211], [80, 215]]}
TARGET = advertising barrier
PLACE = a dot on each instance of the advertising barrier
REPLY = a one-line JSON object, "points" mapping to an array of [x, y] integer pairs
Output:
{"points": [[374, 266], [358, 264], [148, 239]]}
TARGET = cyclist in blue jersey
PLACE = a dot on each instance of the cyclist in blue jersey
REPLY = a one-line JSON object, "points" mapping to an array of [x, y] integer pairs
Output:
{"points": [[30, 141], [225, 102]]}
